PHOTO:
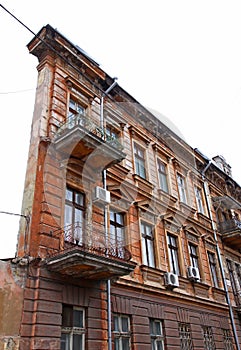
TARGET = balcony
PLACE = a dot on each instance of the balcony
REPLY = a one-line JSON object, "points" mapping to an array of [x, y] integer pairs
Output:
{"points": [[231, 232], [82, 138], [89, 255]]}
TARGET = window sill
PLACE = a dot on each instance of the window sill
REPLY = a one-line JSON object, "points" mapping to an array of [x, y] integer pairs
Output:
{"points": [[218, 294], [166, 197], [143, 184], [186, 209], [151, 275]]}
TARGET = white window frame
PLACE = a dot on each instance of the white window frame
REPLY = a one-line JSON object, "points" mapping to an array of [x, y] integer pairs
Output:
{"points": [[173, 253], [181, 184], [157, 339], [199, 199], [140, 161], [193, 255], [73, 330], [213, 268], [74, 216], [119, 334], [147, 240], [162, 175], [75, 110]]}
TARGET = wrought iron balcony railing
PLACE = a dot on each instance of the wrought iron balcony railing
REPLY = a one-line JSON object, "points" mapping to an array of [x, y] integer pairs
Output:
{"points": [[88, 126], [92, 241], [230, 226]]}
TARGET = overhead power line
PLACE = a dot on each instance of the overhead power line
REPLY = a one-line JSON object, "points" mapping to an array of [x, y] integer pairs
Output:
{"points": [[15, 92], [14, 214]]}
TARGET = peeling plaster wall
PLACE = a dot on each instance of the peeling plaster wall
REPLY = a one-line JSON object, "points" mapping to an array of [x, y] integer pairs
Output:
{"points": [[12, 281]]}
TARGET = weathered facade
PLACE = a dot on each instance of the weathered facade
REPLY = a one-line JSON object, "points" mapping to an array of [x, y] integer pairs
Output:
{"points": [[131, 238]]}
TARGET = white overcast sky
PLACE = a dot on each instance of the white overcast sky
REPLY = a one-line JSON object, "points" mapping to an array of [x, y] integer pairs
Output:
{"points": [[179, 57]]}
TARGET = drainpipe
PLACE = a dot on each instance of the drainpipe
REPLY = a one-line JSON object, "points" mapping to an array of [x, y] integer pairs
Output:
{"points": [[208, 201], [106, 217]]}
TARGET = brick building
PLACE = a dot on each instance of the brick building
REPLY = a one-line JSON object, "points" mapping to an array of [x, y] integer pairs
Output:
{"points": [[130, 239]]}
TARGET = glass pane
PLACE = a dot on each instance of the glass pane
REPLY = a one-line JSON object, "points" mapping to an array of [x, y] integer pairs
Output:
{"points": [[77, 342], [119, 218], [79, 199], [78, 216], [160, 345], [65, 345], [144, 257], [158, 328], [78, 228], [68, 215], [78, 318], [125, 344], [117, 347], [124, 324], [120, 235], [69, 195], [112, 216], [148, 230], [163, 182], [150, 249], [80, 109], [116, 325], [67, 316], [175, 263], [112, 232], [142, 170]]}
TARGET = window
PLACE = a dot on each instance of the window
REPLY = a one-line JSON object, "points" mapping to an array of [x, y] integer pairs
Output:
{"points": [[208, 338], [181, 188], [139, 156], [74, 215], [73, 328], [111, 133], [122, 333], [185, 336], [117, 233], [193, 255], [157, 336], [231, 276], [75, 110], [234, 277], [238, 273], [173, 254], [199, 199], [213, 268], [227, 339], [162, 172], [147, 244]]}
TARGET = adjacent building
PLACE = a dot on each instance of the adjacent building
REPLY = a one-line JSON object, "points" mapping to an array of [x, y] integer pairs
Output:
{"points": [[130, 239]]}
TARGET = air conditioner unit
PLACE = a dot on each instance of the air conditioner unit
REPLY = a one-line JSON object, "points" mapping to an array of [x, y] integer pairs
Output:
{"points": [[193, 273], [101, 196], [171, 280]]}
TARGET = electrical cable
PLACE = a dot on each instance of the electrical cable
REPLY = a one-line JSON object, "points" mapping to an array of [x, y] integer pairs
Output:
{"points": [[9, 213], [15, 92]]}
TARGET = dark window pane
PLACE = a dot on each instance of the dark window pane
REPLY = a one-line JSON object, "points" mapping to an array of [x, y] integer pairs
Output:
{"points": [[64, 341], [79, 199], [78, 318], [77, 342], [125, 325], [125, 344], [117, 347], [116, 325], [67, 320]]}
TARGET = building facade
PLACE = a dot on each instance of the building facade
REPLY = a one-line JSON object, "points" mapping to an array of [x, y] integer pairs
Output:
{"points": [[130, 239]]}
